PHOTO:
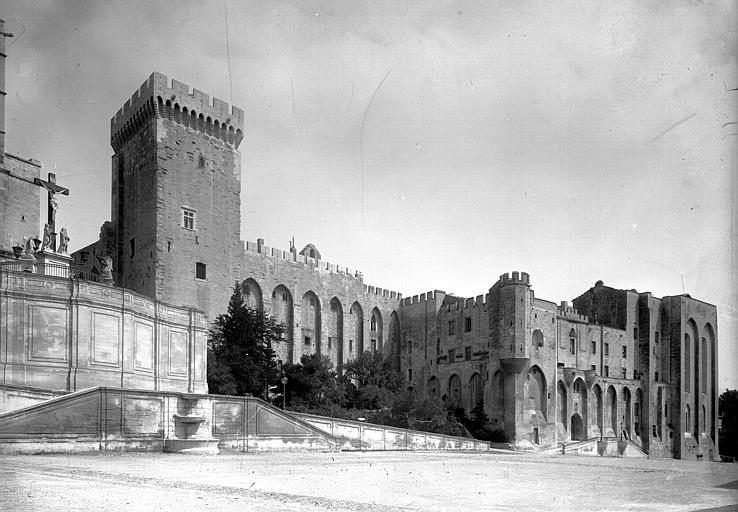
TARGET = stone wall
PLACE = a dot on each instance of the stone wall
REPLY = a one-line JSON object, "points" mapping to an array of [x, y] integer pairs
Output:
{"points": [[67, 334], [19, 201]]}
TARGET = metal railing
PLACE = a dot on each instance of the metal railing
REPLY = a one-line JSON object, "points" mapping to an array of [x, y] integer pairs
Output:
{"points": [[71, 271]]}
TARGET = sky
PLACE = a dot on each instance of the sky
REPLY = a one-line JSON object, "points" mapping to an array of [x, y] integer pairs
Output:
{"points": [[431, 145]]}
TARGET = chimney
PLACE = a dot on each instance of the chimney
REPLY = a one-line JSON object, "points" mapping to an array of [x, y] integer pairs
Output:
{"points": [[3, 35]]}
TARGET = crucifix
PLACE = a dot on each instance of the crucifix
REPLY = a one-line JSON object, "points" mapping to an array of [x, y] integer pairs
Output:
{"points": [[53, 189]]}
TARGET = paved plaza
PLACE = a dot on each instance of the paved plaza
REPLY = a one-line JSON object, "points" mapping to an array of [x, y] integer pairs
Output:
{"points": [[381, 481]]}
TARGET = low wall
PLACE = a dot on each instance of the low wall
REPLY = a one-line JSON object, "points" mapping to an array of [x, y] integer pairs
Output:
{"points": [[66, 334], [12, 397], [112, 419], [358, 435]]}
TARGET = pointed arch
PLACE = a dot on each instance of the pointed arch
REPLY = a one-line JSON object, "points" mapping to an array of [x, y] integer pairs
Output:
{"points": [[375, 330], [628, 417], [599, 408], [476, 390], [335, 332], [283, 312], [711, 384], [611, 405], [692, 375], [454, 391], [535, 384], [310, 322], [580, 405], [252, 296], [356, 331], [394, 338]]}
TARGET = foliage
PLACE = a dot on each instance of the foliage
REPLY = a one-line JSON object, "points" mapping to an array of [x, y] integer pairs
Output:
{"points": [[728, 407], [312, 386], [240, 356], [371, 382]]}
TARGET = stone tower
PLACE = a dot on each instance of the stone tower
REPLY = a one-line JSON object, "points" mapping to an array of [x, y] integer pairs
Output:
{"points": [[176, 184]]}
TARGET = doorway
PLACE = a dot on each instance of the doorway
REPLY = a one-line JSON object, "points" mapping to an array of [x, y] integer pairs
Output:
{"points": [[577, 429]]}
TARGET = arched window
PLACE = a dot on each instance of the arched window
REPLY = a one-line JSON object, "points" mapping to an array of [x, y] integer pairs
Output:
{"points": [[572, 342]]}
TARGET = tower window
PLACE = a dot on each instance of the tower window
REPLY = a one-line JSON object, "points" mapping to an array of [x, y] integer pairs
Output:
{"points": [[467, 353], [200, 270], [467, 324], [188, 218], [607, 371], [351, 346], [607, 349], [132, 243], [625, 351], [450, 326], [594, 347], [409, 374]]}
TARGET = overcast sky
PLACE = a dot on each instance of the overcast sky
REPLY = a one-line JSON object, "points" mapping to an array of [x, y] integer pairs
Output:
{"points": [[431, 145]]}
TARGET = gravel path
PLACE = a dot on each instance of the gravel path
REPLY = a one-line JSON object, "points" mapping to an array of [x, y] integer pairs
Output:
{"points": [[378, 481]]}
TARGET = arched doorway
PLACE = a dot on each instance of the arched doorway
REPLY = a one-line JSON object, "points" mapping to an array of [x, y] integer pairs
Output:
{"points": [[612, 408], [577, 427], [597, 391], [476, 396], [561, 405], [628, 418], [535, 383]]}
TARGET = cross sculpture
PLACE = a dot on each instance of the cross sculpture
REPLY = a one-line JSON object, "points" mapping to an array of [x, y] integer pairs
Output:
{"points": [[53, 189]]}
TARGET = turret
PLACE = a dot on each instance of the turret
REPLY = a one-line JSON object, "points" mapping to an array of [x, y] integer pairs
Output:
{"points": [[513, 321]]}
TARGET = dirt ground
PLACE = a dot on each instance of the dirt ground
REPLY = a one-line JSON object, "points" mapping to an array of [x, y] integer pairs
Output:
{"points": [[376, 481]]}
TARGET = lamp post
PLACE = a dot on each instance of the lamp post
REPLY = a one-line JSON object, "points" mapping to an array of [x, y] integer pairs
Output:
{"points": [[284, 390]]}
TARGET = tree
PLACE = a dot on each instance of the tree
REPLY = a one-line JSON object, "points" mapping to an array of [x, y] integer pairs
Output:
{"points": [[728, 407], [371, 381], [240, 355], [312, 385]]}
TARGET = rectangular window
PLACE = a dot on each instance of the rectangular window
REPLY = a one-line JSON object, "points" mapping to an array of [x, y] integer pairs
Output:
{"points": [[467, 353], [594, 347], [467, 324], [656, 336], [451, 356], [351, 345], [625, 351], [188, 218], [624, 373], [450, 326], [635, 333], [656, 376], [409, 347], [593, 367], [307, 340], [374, 345], [132, 242], [409, 374], [607, 371], [438, 346], [635, 374], [330, 342], [572, 346], [607, 349], [200, 270]]}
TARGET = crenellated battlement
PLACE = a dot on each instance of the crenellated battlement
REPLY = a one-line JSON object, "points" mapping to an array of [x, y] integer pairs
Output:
{"points": [[516, 278], [568, 312], [258, 247], [191, 108], [423, 297]]}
